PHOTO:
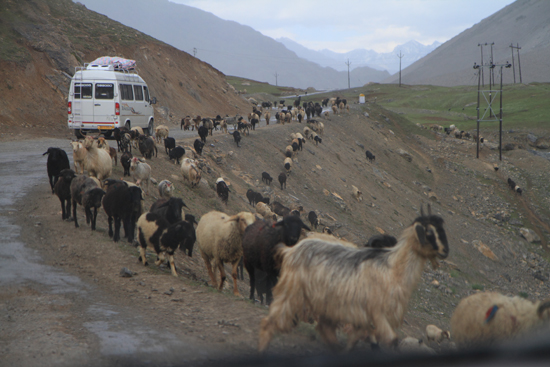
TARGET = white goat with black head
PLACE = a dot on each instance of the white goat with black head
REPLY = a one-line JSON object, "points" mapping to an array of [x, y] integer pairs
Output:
{"points": [[368, 288]]}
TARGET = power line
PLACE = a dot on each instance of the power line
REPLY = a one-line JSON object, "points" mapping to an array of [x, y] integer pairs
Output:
{"points": [[276, 75]]}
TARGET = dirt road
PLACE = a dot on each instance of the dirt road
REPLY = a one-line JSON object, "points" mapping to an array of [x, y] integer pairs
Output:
{"points": [[51, 317]]}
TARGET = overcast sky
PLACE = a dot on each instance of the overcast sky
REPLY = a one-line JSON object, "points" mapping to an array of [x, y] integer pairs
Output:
{"points": [[345, 25]]}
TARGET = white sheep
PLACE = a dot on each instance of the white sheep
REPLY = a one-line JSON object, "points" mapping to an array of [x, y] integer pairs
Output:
{"points": [[98, 161], [288, 165], [165, 189], [79, 156], [141, 173], [307, 131], [356, 193], [161, 132], [487, 317], [264, 210], [219, 238], [190, 171], [436, 334], [367, 288]]}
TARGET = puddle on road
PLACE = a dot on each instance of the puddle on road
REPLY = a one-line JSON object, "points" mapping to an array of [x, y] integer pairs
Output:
{"points": [[22, 167]]}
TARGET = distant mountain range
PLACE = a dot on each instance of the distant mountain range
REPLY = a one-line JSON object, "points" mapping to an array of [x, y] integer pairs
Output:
{"points": [[389, 61], [524, 22], [230, 47]]}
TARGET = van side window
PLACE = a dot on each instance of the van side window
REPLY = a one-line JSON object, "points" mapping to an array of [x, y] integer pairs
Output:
{"points": [[146, 93], [138, 92], [104, 91], [83, 91], [126, 92]]}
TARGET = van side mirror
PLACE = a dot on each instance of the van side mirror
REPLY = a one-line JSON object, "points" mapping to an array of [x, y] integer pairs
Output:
{"points": [[154, 100]]}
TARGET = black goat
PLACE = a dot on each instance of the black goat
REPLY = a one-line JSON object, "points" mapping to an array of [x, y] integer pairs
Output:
{"points": [[237, 137], [266, 178], [280, 209], [169, 144], [122, 203], [176, 153], [189, 241], [259, 242], [312, 217], [125, 160], [147, 146], [62, 189], [282, 180], [370, 156], [222, 190], [514, 187], [92, 199], [156, 232], [118, 133], [170, 209], [253, 122], [198, 145], [251, 196], [79, 185], [57, 161], [203, 133]]}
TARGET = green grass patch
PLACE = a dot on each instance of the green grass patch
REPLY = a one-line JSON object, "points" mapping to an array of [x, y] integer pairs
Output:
{"points": [[477, 287], [255, 87], [523, 295]]}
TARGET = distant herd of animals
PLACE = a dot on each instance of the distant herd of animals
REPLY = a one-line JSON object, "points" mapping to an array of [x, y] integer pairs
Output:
{"points": [[361, 290]]}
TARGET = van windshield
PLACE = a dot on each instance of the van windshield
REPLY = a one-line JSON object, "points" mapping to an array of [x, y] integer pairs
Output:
{"points": [[104, 91], [146, 93]]}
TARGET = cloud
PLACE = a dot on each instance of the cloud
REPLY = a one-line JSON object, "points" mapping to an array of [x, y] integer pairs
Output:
{"points": [[345, 25]]}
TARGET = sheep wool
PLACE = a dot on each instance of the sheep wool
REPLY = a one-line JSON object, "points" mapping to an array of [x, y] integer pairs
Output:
{"points": [[219, 238], [488, 317], [366, 288]]}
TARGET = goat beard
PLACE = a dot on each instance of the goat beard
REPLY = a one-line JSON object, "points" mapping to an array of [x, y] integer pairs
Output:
{"points": [[435, 264]]}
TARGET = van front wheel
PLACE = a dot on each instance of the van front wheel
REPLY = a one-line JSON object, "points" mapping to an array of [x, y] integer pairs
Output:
{"points": [[151, 127]]}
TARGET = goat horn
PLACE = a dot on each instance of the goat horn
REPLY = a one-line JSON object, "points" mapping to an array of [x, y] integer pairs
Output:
{"points": [[422, 210]]}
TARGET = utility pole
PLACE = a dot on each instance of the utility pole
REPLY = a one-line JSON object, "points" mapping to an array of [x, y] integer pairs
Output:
{"points": [[482, 75], [519, 63], [513, 64], [276, 75], [194, 52], [492, 69], [348, 64], [400, 57]]}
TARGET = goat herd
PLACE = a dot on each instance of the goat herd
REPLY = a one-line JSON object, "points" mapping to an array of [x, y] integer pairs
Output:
{"points": [[362, 291]]}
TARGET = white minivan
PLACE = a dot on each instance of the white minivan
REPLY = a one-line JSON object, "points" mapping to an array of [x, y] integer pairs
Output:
{"points": [[102, 97]]}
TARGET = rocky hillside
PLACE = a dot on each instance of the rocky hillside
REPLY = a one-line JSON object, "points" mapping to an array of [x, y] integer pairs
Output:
{"points": [[42, 41]]}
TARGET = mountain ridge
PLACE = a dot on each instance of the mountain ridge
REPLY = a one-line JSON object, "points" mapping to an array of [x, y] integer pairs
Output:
{"points": [[228, 46], [524, 22]]}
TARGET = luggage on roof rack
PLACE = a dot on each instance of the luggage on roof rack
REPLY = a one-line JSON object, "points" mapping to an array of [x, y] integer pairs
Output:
{"points": [[118, 63]]}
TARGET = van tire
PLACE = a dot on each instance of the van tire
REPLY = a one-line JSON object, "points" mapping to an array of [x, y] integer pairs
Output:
{"points": [[128, 125], [78, 135], [151, 127]]}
